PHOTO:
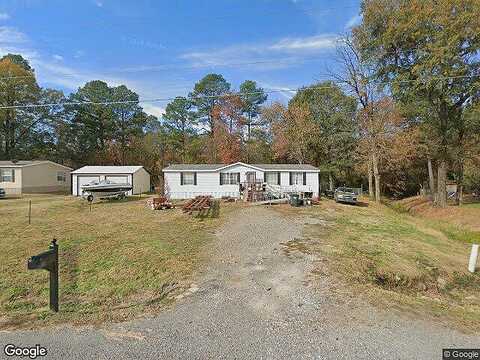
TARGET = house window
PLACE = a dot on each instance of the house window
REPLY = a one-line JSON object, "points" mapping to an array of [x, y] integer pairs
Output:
{"points": [[272, 178], [298, 178], [188, 178], [7, 175], [229, 178], [61, 176]]}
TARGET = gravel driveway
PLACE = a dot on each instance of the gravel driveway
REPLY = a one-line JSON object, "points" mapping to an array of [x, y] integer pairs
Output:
{"points": [[255, 300]]}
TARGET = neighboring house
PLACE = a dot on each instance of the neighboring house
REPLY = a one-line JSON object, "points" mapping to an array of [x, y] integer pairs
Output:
{"points": [[38, 176], [183, 181], [133, 175]]}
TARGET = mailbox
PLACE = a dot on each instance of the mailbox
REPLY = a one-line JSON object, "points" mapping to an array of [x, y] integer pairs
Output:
{"points": [[48, 260]]}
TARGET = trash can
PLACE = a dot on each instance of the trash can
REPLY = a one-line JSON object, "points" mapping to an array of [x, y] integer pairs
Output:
{"points": [[295, 200]]}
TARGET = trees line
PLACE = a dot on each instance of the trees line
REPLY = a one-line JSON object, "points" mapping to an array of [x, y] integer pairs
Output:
{"points": [[401, 47], [400, 114]]}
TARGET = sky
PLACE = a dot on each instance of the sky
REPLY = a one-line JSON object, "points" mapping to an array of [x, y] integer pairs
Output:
{"points": [[159, 49]]}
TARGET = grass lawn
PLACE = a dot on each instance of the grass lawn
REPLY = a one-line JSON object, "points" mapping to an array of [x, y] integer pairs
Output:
{"points": [[465, 216], [117, 260], [399, 260], [473, 206]]}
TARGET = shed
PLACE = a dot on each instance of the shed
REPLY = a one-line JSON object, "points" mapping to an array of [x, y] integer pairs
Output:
{"points": [[136, 176]]}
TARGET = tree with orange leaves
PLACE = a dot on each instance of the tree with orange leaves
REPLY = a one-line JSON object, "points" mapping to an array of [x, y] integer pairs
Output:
{"points": [[226, 142], [293, 132]]}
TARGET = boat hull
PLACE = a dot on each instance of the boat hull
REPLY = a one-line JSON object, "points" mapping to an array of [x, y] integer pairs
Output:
{"points": [[105, 190]]}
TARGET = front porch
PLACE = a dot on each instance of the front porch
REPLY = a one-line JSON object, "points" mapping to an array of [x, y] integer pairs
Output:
{"points": [[253, 191]]}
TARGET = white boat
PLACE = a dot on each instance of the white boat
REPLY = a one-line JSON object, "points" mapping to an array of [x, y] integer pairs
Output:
{"points": [[105, 189]]}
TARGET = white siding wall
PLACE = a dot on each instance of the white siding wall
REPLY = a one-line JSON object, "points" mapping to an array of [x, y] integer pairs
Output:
{"points": [[243, 173], [13, 188], [208, 183], [312, 183], [141, 182], [284, 179], [74, 185]]}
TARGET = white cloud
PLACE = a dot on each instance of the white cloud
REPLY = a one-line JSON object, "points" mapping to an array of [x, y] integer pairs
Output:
{"points": [[284, 91], [315, 43], [152, 109], [50, 71], [139, 42], [4, 16], [10, 35], [99, 3], [279, 54], [60, 75], [15, 42], [354, 21]]}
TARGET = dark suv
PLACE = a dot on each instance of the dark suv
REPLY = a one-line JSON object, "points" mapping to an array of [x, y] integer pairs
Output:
{"points": [[2, 193]]}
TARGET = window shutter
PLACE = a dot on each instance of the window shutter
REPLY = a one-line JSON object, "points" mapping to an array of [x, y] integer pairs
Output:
{"points": [[264, 177], [181, 178], [279, 178], [194, 178], [291, 178], [13, 175], [304, 178], [221, 178], [238, 178]]}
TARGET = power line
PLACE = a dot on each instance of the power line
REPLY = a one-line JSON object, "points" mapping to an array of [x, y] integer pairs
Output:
{"points": [[154, 68], [30, 106], [166, 67]]}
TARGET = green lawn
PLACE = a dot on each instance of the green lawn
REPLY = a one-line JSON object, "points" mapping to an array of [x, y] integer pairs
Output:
{"points": [[116, 260], [473, 205], [396, 259]]}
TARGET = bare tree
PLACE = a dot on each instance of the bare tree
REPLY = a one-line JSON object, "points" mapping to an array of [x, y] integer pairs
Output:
{"points": [[357, 77]]}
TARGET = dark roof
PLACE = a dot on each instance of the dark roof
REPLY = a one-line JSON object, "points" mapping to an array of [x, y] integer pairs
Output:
{"points": [[213, 167]]}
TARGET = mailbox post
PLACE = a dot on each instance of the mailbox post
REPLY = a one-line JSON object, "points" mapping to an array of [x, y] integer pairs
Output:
{"points": [[48, 260]]}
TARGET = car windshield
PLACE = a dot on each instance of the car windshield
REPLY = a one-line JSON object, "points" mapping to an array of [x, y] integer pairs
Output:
{"points": [[347, 190]]}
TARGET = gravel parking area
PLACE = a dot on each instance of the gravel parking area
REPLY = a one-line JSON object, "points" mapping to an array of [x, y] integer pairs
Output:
{"points": [[256, 300]]}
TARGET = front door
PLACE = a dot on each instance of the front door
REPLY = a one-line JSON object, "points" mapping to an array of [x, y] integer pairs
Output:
{"points": [[251, 177]]}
